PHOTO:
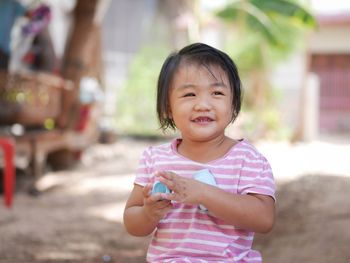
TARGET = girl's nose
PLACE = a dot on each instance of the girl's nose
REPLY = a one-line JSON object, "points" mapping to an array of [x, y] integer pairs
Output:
{"points": [[202, 103]]}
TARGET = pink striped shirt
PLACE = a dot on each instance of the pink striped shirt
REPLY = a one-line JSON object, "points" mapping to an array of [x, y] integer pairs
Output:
{"points": [[188, 234]]}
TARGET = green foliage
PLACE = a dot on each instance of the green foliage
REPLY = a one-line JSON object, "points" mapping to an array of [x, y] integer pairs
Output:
{"points": [[289, 9], [268, 30], [264, 17], [136, 108]]}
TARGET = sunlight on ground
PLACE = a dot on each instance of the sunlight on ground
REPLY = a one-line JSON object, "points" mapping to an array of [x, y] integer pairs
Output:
{"points": [[54, 179], [83, 183], [290, 161], [108, 184], [112, 212], [55, 255]]}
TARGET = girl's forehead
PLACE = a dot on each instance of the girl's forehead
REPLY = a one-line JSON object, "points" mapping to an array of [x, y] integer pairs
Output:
{"points": [[193, 70]]}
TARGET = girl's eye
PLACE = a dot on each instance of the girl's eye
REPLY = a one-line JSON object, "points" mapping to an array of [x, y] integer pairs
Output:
{"points": [[189, 94], [218, 93]]}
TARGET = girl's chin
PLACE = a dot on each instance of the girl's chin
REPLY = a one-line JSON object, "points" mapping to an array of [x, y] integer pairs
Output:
{"points": [[204, 137], [202, 123]]}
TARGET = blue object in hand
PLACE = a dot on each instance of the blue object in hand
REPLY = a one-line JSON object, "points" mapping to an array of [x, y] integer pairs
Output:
{"points": [[159, 187], [205, 176]]}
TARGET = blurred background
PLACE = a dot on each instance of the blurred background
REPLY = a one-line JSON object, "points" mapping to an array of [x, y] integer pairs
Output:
{"points": [[77, 107]]}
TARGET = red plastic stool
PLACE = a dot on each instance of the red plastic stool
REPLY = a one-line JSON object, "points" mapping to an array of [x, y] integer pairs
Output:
{"points": [[7, 144]]}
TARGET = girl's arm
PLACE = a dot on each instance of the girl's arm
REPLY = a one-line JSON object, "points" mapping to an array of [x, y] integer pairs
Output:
{"points": [[254, 212], [143, 211]]}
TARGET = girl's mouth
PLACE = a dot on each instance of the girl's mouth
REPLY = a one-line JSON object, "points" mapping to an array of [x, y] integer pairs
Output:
{"points": [[202, 120]]}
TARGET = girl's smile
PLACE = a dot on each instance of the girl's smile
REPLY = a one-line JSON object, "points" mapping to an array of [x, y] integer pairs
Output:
{"points": [[202, 120]]}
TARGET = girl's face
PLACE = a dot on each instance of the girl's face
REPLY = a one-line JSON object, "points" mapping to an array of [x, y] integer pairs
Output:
{"points": [[200, 102]]}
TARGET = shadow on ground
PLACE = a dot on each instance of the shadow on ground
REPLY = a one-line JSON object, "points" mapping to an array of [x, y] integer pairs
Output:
{"points": [[313, 222]]}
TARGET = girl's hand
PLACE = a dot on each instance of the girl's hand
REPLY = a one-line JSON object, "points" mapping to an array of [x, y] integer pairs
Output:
{"points": [[155, 206], [184, 190]]}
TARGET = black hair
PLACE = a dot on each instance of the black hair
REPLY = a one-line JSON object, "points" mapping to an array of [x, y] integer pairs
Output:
{"points": [[200, 54]]}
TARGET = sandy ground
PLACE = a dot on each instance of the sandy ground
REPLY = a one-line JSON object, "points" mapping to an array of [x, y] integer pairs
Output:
{"points": [[78, 218]]}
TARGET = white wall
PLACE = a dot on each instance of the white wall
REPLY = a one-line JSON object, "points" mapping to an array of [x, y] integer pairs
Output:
{"points": [[330, 39]]}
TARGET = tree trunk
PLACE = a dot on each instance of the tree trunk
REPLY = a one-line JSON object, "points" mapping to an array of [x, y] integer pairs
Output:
{"points": [[82, 57]]}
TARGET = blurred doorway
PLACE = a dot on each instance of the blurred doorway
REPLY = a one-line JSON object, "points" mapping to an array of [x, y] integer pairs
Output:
{"points": [[333, 71]]}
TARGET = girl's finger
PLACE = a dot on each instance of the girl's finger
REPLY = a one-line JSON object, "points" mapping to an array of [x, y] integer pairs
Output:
{"points": [[164, 174], [171, 197], [163, 204], [147, 190], [170, 175], [154, 198]]}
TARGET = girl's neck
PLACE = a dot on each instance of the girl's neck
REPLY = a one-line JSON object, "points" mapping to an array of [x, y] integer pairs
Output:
{"points": [[207, 151]]}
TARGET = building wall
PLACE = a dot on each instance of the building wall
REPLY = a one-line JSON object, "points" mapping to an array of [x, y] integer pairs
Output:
{"points": [[330, 39]]}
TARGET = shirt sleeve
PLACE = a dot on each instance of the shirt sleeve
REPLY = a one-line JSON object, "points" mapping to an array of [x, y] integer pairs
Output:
{"points": [[145, 168], [256, 177]]}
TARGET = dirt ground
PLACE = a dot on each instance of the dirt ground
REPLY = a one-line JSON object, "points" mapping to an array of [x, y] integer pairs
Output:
{"points": [[78, 217]]}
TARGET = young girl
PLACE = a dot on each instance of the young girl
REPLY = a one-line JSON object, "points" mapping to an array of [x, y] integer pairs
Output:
{"points": [[199, 93]]}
